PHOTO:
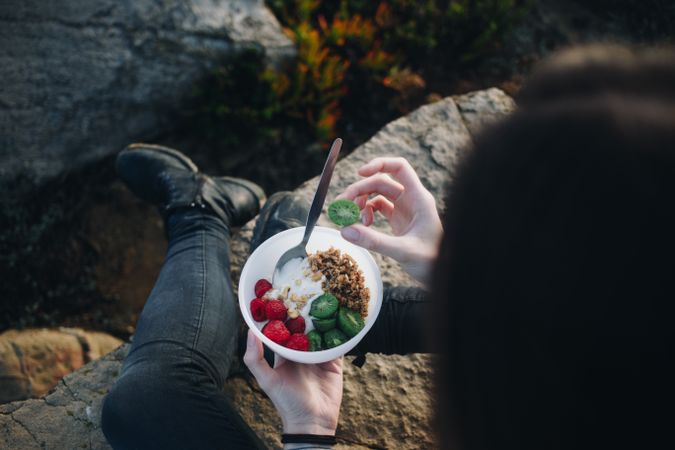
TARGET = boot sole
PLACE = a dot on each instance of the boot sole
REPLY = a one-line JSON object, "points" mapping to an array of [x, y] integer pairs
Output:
{"points": [[187, 162]]}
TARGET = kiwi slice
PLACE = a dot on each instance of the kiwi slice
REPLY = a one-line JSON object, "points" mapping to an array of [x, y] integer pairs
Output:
{"points": [[343, 212], [315, 341], [350, 321], [324, 324], [324, 306], [334, 337]]}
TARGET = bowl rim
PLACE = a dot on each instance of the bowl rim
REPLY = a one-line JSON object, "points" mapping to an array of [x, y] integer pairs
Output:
{"points": [[321, 355]]}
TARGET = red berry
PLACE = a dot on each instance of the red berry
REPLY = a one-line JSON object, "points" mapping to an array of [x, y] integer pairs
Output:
{"points": [[275, 310], [276, 331], [296, 325], [262, 286], [298, 341], [258, 310]]}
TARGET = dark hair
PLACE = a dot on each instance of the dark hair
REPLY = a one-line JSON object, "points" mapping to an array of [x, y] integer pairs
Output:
{"points": [[599, 70], [556, 275]]}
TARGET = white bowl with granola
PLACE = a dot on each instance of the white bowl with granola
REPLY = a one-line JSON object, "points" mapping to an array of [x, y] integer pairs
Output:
{"points": [[319, 308]]}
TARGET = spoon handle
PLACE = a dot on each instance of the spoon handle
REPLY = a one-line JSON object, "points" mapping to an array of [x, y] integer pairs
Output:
{"points": [[322, 190]]}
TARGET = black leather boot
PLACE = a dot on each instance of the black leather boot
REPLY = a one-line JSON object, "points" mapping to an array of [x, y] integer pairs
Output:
{"points": [[170, 180], [282, 211]]}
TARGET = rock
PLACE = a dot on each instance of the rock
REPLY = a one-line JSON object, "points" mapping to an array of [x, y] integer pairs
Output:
{"points": [[387, 403], [67, 418], [396, 412], [33, 361], [83, 78], [483, 107]]}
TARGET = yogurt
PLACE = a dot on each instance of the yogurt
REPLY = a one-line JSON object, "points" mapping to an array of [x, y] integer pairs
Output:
{"points": [[297, 286]]}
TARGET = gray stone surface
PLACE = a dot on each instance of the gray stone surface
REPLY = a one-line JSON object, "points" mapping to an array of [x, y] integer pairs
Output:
{"points": [[480, 108], [387, 403], [67, 418], [82, 78]]}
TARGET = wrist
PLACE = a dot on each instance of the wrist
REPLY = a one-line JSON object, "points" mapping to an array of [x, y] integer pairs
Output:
{"points": [[421, 261], [290, 427]]}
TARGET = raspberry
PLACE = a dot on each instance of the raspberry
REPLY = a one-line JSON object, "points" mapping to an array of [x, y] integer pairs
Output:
{"points": [[298, 341], [276, 331], [262, 286], [296, 325], [275, 310], [258, 310]]}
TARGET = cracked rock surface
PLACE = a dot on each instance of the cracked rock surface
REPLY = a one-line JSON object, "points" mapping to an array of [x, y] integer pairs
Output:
{"points": [[82, 78], [32, 361], [387, 403]]}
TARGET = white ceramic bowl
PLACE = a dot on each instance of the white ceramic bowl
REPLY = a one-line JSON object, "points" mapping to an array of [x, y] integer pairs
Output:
{"points": [[261, 265]]}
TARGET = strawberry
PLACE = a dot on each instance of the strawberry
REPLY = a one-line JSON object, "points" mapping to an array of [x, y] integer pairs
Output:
{"points": [[262, 286], [275, 310], [298, 341], [258, 310], [296, 325], [276, 331]]}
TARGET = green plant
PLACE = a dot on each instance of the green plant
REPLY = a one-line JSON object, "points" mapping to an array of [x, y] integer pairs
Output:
{"points": [[451, 33], [237, 103], [349, 50], [359, 63], [335, 52]]}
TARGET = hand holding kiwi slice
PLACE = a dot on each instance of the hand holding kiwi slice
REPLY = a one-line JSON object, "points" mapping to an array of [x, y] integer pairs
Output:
{"points": [[344, 212]]}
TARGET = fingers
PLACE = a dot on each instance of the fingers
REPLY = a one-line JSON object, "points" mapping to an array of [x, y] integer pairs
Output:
{"points": [[255, 361], [379, 203], [398, 167], [361, 201], [367, 215], [376, 184], [371, 239]]}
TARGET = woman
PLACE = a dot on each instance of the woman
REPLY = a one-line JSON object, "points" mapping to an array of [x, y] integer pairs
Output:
{"points": [[553, 287]]}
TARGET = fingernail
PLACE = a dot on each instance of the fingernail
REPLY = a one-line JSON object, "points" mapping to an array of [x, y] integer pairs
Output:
{"points": [[363, 218], [250, 340], [350, 234]]}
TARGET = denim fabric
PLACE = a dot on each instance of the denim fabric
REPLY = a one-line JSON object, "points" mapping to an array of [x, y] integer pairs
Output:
{"points": [[170, 391]]}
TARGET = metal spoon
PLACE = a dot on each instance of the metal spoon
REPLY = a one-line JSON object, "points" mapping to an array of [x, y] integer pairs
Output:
{"points": [[300, 251]]}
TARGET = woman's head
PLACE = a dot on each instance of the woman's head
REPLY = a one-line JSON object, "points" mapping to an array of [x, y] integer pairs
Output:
{"points": [[557, 272]]}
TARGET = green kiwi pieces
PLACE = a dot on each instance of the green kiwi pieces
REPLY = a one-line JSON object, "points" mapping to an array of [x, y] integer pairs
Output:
{"points": [[334, 337], [350, 321], [315, 341], [324, 324], [324, 306], [343, 212]]}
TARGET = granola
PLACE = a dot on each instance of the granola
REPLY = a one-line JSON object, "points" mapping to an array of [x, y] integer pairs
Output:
{"points": [[344, 279]]}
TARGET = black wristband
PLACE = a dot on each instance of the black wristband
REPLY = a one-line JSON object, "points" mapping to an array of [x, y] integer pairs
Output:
{"points": [[319, 439]]}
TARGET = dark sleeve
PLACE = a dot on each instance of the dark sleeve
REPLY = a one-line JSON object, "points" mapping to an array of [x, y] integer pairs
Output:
{"points": [[400, 327]]}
